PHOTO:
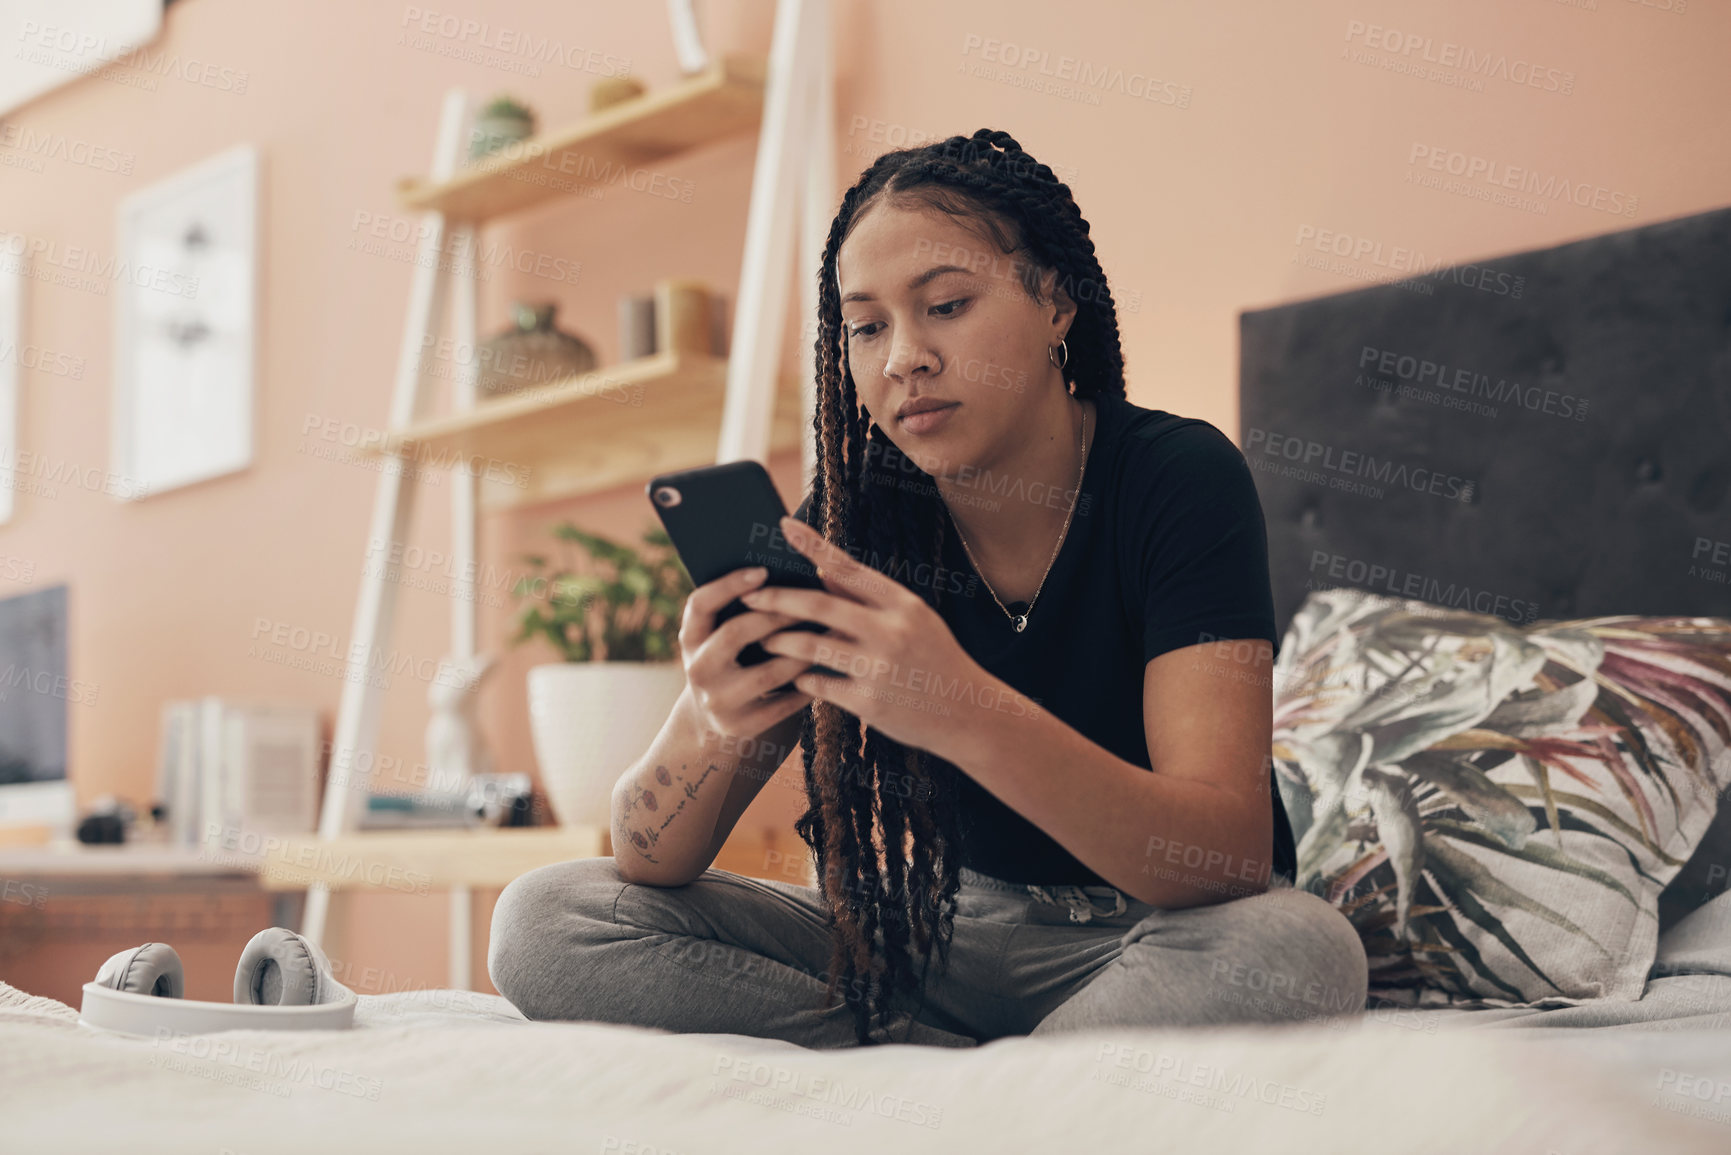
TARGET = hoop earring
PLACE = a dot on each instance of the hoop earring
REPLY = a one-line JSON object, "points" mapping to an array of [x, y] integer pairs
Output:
{"points": [[1066, 348]]}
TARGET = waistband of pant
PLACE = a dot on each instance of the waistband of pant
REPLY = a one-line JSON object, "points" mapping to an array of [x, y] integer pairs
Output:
{"points": [[1083, 904], [1276, 881], [1051, 892], [975, 878], [1026, 889]]}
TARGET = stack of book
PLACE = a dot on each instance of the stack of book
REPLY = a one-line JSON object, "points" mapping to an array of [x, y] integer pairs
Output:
{"points": [[226, 767]]}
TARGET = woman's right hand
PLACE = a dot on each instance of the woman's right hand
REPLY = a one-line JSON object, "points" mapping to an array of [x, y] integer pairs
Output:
{"points": [[731, 697]]}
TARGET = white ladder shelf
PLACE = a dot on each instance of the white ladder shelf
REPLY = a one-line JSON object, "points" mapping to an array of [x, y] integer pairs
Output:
{"points": [[792, 184]]}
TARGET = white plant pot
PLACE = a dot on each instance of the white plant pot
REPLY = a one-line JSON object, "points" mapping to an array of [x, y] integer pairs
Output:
{"points": [[590, 721]]}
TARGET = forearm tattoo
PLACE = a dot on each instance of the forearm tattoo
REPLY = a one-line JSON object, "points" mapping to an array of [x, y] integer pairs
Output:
{"points": [[648, 810]]}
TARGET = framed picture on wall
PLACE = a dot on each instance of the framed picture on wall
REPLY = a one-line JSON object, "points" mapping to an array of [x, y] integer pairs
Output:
{"points": [[184, 326], [54, 42]]}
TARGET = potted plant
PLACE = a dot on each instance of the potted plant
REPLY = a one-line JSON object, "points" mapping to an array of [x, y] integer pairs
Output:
{"points": [[614, 619], [501, 122]]}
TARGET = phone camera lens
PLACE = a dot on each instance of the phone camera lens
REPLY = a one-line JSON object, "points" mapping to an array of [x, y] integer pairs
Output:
{"points": [[666, 496]]}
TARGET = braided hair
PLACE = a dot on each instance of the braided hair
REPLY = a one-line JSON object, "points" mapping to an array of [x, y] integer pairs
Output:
{"points": [[883, 821]]}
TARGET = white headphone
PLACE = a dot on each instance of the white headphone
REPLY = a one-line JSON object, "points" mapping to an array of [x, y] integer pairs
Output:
{"points": [[282, 982]]}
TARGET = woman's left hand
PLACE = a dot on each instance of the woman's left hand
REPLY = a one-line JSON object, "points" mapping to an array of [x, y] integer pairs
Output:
{"points": [[904, 673]]}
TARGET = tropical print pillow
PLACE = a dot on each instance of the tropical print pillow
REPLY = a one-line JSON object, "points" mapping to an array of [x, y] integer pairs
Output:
{"points": [[1497, 807]]}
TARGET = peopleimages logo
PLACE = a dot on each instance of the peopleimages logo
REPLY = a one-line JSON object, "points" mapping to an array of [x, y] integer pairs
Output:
{"points": [[1475, 170], [1709, 552], [100, 56], [1397, 582], [83, 268], [71, 149], [475, 35], [1400, 259], [1487, 64], [1425, 373], [1068, 76], [1307, 454]]}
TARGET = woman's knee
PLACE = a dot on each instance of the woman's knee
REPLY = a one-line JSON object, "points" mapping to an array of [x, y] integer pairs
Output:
{"points": [[1283, 955], [1317, 959], [541, 918]]}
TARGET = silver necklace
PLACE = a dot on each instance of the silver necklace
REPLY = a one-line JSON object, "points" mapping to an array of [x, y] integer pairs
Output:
{"points": [[1021, 620]]}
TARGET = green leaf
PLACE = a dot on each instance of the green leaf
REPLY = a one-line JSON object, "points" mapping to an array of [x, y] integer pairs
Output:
{"points": [[1398, 826], [1495, 808], [1467, 880], [1463, 946], [1334, 763], [1537, 853], [1543, 713], [1613, 707], [1594, 806], [627, 604], [1541, 773], [1449, 696]]}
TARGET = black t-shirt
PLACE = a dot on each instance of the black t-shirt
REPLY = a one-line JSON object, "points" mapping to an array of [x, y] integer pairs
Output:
{"points": [[1167, 548]]}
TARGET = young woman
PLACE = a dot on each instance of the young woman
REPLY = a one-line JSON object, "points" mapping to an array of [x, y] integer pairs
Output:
{"points": [[1043, 756]]}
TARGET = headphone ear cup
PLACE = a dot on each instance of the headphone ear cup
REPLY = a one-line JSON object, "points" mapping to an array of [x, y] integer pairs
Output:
{"points": [[151, 969], [279, 968]]}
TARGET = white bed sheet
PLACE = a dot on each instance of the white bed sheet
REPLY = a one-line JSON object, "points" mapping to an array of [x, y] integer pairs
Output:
{"points": [[427, 1073], [436, 1070]]}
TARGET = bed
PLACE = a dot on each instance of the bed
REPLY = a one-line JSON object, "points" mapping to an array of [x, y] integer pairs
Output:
{"points": [[1597, 512], [437, 1071]]}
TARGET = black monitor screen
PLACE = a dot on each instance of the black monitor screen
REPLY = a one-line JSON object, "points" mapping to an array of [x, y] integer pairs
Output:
{"points": [[34, 688]]}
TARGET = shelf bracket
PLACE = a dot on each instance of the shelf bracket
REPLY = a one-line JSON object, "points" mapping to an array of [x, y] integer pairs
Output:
{"points": [[357, 731]]}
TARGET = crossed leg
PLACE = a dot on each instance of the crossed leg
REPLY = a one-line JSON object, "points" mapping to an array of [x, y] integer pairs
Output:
{"points": [[729, 954], [1284, 955], [724, 954]]}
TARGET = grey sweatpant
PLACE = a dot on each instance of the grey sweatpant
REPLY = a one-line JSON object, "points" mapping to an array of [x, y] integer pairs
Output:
{"points": [[729, 954]]}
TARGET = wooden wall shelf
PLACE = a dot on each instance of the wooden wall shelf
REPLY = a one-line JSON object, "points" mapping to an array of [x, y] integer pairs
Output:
{"points": [[415, 861], [724, 99], [618, 424]]}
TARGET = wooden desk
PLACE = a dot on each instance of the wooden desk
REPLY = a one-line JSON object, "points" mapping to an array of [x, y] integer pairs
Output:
{"points": [[145, 861], [458, 861], [72, 867], [416, 861], [406, 861]]}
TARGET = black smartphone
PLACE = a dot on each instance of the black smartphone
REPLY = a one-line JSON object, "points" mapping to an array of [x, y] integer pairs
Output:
{"points": [[727, 517]]}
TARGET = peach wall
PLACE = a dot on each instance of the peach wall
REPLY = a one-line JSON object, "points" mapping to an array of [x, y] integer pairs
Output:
{"points": [[1271, 128]]}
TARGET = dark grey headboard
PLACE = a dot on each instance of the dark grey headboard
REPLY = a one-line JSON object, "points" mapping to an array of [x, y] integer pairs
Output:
{"points": [[1600, 484], [1603, 476]]}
